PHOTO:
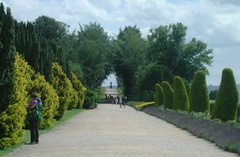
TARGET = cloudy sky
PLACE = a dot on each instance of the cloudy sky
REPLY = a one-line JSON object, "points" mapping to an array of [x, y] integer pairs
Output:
{"points": [[215, 22]]}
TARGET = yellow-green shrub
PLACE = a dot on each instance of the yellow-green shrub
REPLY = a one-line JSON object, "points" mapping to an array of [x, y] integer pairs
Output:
{"points": [[49, 98], [64, 89], [143, 105], [78, 86], [12, 119]]}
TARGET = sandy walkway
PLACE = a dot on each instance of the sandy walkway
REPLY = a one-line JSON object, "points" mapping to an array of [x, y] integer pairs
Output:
{"points": [[110, 131]]}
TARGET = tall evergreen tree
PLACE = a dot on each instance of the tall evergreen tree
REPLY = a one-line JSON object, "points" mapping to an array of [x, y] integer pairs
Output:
{"points": [[158, 95], [167, 95], [180, 96], [225, 107], [7, 53], [199, 98]]}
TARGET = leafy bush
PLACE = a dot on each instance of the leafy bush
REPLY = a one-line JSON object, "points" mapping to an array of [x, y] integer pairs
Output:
{"points": [[199, 98], [158, 97], [225, 107], [180, 96], [90, 101], [167, 95]]}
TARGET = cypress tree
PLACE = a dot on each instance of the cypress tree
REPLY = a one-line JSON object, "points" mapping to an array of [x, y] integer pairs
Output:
{"points": [[199, 98], [158, 95], [180, 96], [7, 53], [167, 95], [225, 107]]}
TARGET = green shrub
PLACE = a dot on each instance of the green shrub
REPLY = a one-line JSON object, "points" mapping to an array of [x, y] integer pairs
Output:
{"points": [[167, 95], [199, 98], [90, 100], [158, 97], [225, 107], [180, 96]]}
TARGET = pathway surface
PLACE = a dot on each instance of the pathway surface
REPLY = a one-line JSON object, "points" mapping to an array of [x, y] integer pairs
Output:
{"points": [[110, 131]]}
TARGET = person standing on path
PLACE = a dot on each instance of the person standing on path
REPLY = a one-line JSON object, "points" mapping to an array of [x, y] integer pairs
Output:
{"points": [[33, 115]]}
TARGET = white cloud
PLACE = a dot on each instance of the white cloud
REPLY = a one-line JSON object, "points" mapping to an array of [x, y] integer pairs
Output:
{"points": [[215, 22]]}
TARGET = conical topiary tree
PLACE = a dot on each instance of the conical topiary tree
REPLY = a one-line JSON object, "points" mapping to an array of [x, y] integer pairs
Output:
{"points": [[13, 117], [167, 95], [64, 89], [225, 107], [158, 97], [180, 96], [49, 98], [199, 98]]}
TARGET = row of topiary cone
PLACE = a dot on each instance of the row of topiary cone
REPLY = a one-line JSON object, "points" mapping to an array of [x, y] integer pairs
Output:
{"points": [[226, 104]]}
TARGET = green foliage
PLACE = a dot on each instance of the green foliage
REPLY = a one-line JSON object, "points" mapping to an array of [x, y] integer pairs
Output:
{"points": [[199, 98], [93, 48], [158, 97], [225, 107], [168, 48], [213, 95], [180, 96], [90, 100], [129, 57], [7, 59], [64, 89], [153, 74], [79, 88], [29, 40], [167, 95]]}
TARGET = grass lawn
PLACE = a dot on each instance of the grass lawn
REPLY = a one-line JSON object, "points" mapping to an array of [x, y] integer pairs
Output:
{"points": [[26, 137]]}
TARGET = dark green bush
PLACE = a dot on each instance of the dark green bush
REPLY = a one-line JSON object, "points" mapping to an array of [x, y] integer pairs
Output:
{"points": [[158, 96], [90, 100], [199, 98], [180, 96], [167, 95], [225, 107]]}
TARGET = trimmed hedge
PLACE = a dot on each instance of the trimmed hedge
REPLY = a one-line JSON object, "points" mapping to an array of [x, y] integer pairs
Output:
{"points": [[180, 96], [199, 98], [225, 107], [167, 95], [158, 96]]}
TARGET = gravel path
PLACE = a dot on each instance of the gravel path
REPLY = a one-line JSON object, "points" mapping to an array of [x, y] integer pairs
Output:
{"points": [[110, 131]]}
